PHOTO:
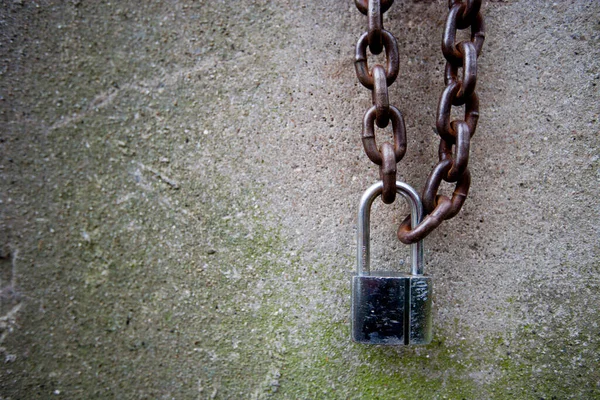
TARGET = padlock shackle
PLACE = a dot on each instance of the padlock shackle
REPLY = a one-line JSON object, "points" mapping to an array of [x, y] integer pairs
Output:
{"points": [[364, 226]]}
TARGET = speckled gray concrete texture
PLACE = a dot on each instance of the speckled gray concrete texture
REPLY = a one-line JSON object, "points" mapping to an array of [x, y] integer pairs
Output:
{"points": [[179, 182]]}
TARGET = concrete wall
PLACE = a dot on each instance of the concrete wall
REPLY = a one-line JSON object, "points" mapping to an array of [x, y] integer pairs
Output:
{"points": [[179, 187]]}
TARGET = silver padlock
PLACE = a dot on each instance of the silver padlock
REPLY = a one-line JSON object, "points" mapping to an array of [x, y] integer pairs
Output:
{"points": [[390, 307]]}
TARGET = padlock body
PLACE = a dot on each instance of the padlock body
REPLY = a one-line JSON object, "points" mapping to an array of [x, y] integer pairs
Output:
{"points": [[391, 308]]}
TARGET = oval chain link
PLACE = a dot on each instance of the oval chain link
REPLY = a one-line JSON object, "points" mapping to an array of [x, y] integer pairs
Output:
{"points": [[368, 134], [392, 65]]}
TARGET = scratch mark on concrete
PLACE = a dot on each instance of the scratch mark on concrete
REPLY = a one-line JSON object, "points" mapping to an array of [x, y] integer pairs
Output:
{"points": [[9, 294], [160, 176]]}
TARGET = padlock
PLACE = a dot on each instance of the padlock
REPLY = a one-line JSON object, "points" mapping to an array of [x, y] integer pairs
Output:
{"points": [[390, 307]]}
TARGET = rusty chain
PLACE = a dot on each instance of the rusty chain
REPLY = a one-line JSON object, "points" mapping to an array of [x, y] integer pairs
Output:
{"points": [[378, 79], [455, 136]]}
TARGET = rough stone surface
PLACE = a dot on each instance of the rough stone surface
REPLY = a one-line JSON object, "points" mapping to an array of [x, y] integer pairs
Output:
{"points": [[179, 183]]}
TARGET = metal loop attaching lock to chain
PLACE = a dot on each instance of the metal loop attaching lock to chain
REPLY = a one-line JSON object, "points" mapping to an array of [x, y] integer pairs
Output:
{"points": [[438, 207], [364, 226]]}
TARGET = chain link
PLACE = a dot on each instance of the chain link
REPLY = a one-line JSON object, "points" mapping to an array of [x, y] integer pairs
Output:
{"points": [[455, 136]]}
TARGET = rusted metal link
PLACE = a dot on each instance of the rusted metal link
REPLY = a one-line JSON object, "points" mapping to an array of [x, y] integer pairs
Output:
{"points": [[363, 5], [449, 45], [463, 142], [470, 13], [409, 236], [375, 18], [459, 195], [478, 33], [368, 135], [430, 197], [433, 183], [392, 59], [442, 209], [380, 97], [387, 172], [469, 77], [443, 126], [471, 10], [448, 41], [472, 112]]}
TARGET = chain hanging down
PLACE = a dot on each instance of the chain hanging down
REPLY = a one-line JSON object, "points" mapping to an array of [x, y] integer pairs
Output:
{"points": [[454, 135], [378, 79]]}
